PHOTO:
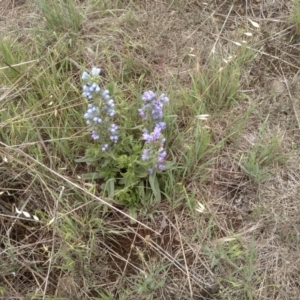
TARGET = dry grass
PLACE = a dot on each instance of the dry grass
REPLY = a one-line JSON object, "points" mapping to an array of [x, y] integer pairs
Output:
{"points": [[245, 245]]}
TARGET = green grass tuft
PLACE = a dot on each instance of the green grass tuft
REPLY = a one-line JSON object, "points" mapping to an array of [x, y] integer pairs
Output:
{"points": [[296, 19], [61, 16], [261, 159]]}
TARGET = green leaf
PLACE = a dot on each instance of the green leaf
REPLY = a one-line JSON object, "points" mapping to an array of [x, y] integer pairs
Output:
{"points": [[91, 175], [111, 187], [132, 213], [85, 159], [140, 172], [155, 186]]}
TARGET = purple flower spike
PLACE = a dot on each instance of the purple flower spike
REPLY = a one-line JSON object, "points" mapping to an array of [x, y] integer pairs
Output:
{"points": [[161, 156], [114, 138], [95, 71], [148, 96], [104, 147], [111, 112], [85, 75], [161, 125], [113, 128], [152, 111], [99, 113], [146, 154], [163, 98], [95, 135], [147, 137], [156, 133], [160, 167], [142, 113]]}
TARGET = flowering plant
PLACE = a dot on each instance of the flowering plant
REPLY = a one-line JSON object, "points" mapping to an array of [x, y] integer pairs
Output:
{"points": [[128, 161]]}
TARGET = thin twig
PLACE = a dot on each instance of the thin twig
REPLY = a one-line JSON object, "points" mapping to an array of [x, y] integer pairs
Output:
{"points": [[18, 215], [218, 37], [53, 239], [290, 97], [184, 258], [17, 65], [42, 141]]}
